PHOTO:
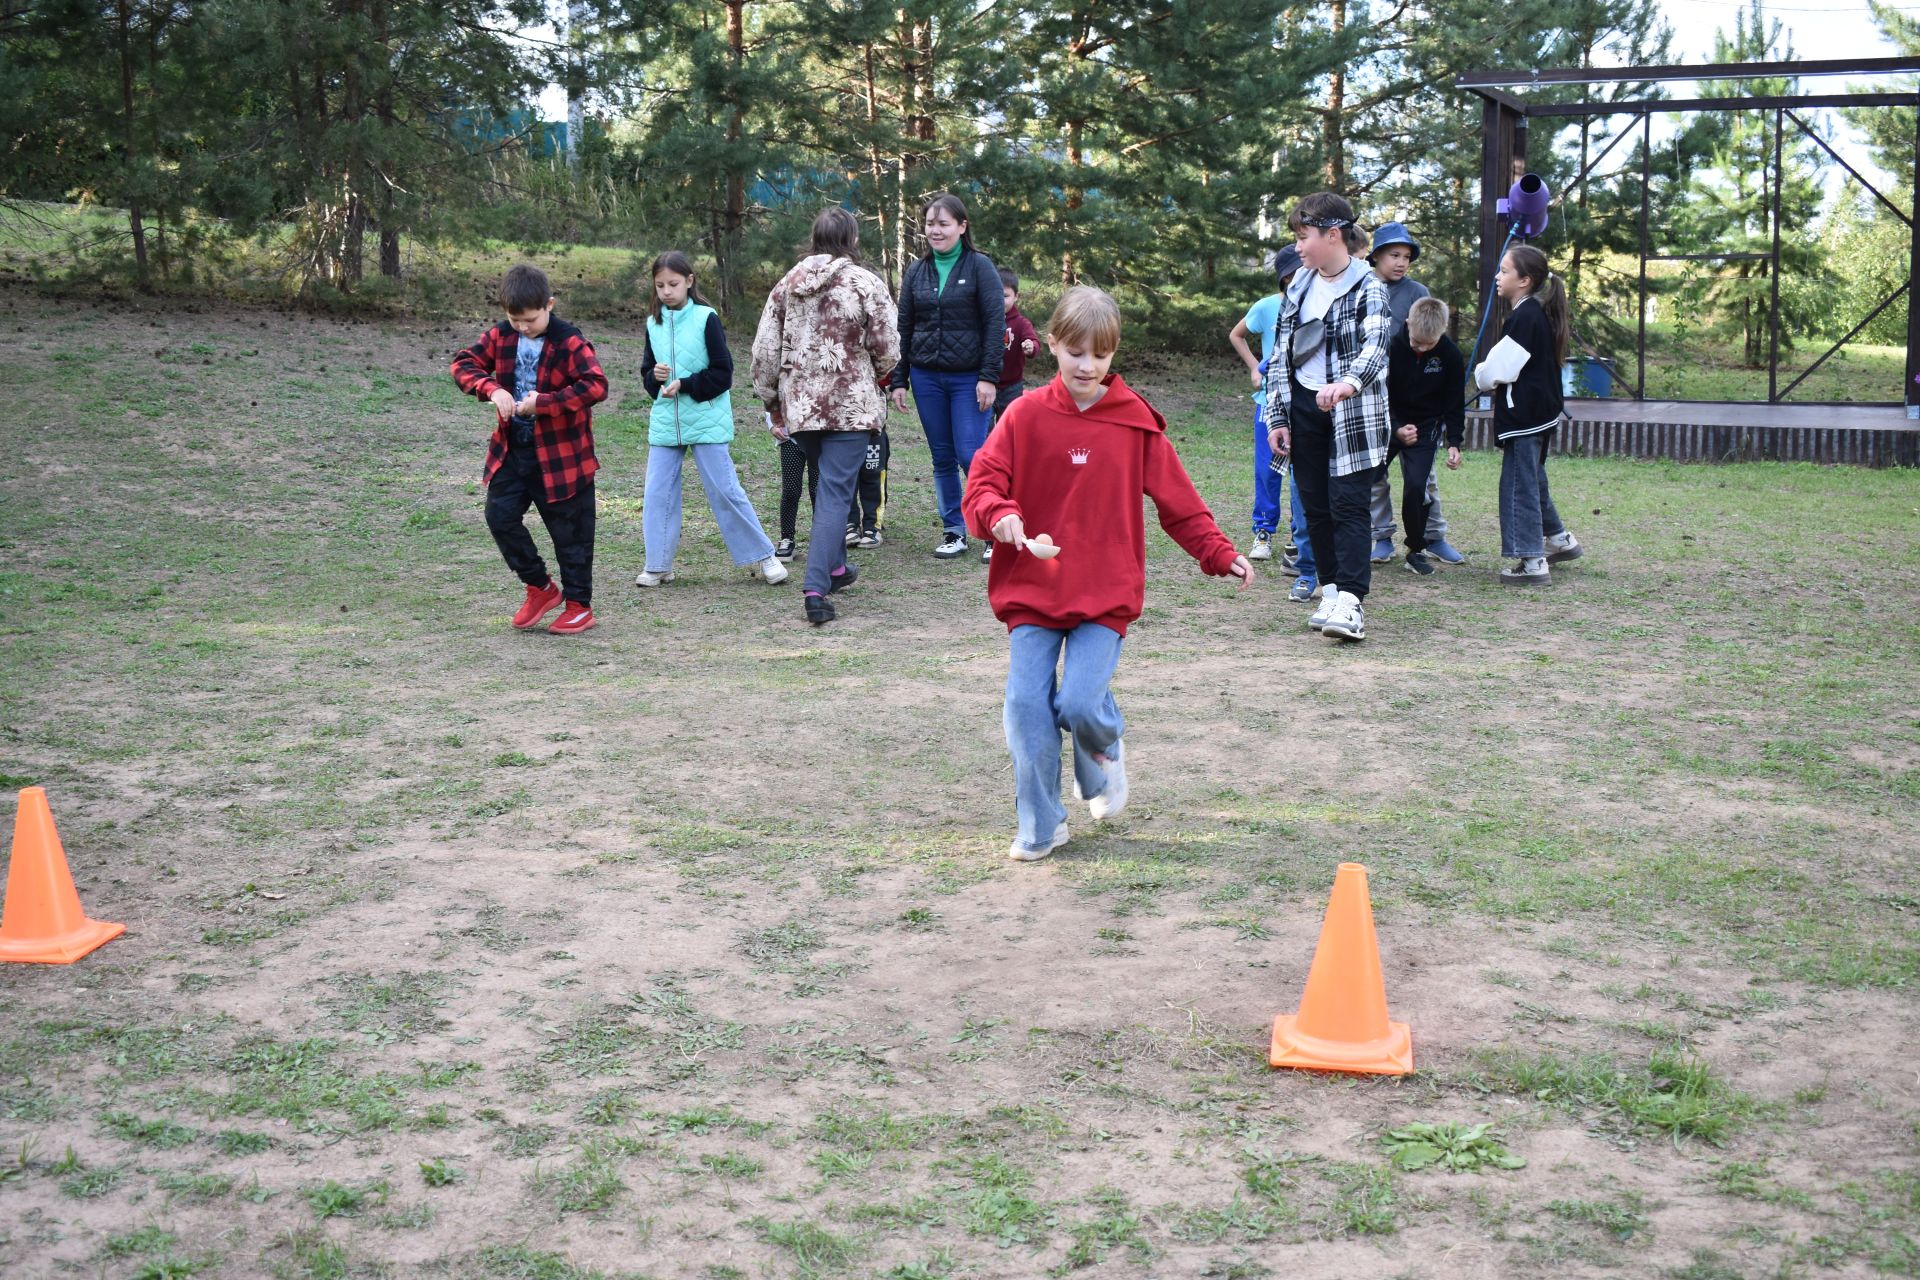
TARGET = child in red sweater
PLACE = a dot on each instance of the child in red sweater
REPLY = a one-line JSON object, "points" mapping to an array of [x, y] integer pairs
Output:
{"points": [[1070, 462]]}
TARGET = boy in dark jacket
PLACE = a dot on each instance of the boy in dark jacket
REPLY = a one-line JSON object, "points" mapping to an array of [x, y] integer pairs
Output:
{"points": [[1425, 374], [543, 379]]}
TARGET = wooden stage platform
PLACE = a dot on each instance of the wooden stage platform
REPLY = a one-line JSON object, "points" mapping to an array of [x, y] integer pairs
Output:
{"points": [[1863, 435]]}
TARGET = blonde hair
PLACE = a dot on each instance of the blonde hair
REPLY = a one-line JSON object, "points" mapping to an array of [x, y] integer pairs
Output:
{"points": [[1427, 321], [1086, 317]]}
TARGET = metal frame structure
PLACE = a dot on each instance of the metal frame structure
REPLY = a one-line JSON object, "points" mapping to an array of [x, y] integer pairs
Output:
{"points": [[1504, 119]]}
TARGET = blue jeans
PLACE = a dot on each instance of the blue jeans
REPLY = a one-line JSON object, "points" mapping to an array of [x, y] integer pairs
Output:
{"points": [[660, 509], [956, 427], [1266, 481], [1039, 707], [1302, 544], [1527, 514]]}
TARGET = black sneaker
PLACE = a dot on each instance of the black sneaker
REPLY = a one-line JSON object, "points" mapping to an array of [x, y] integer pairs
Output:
{"points": [[783, 549], [841, 581], [1417, 562], [853, 535], [954, 544], [819, 610], [870, 539]]}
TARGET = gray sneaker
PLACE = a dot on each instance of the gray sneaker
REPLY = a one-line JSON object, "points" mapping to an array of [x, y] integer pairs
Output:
{"points": [[1349, 619], [1329, 601], [1528, 572], [1305, 588], [1562, 547], [1113, 797], [1021, 853]]}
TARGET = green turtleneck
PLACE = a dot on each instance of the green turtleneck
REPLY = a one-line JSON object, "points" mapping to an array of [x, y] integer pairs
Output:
{"points": [[943, 264]]}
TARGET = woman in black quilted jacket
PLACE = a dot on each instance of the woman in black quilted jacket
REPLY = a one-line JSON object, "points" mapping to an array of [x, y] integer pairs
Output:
{"points": [[952, 336]]}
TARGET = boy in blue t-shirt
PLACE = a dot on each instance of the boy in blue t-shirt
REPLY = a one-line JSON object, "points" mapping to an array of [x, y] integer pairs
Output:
{"points": [[1297, 558]]}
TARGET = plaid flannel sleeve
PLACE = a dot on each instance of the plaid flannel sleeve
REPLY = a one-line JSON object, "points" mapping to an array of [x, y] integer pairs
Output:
{"points": [[1278, 387], [475, 366], [584, 383], [1363, 422]]}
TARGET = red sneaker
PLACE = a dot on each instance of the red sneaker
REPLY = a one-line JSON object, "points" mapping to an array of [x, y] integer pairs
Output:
{"points": [[574, 618], [540, 602]]}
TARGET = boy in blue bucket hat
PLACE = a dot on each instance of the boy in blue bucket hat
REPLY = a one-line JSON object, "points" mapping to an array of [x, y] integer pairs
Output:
{"points": [[1394, 253]]}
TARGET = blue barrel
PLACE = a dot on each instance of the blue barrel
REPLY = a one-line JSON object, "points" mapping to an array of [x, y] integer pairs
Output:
{"points": [[1587, 376]]}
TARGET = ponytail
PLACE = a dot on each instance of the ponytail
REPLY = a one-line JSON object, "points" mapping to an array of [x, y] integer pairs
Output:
{"points": [[1549, 290]]}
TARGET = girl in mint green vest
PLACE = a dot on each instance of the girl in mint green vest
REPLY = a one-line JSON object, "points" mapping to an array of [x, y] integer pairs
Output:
{"points": [[688, 371]]}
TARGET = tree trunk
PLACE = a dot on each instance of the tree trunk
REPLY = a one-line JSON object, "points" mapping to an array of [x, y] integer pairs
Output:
{"points": [[1335, 124], [733, 220], [353, 112], [887, 259], [904, 213], [1075, 198], [135, 223], [576, 84], [389, 229]]}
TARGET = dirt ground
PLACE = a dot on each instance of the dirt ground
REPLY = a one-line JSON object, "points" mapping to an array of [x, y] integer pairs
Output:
{"points": [[689, 947]]}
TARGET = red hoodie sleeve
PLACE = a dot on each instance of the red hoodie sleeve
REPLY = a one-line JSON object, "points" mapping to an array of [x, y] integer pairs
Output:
{"points": [[1182, 512], [989, 494]]}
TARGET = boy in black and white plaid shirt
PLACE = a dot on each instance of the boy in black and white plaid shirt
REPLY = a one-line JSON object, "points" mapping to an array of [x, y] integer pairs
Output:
{"points": [[1327, 402]]}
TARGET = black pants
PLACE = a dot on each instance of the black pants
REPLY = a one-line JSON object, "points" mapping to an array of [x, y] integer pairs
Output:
{"points": [[1416, 464], [795, 467], [517, 486], [1339, 508], [870, 498]]}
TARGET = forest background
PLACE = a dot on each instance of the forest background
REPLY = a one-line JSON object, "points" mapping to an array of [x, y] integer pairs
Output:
{"points": [[348, 153]]}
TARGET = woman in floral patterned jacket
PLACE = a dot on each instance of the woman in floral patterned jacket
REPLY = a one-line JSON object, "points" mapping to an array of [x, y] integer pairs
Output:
{"points": [[827, 341]]}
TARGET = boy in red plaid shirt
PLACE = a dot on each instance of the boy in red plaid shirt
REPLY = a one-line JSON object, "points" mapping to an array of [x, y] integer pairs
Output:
{"points": [[543, 380]]}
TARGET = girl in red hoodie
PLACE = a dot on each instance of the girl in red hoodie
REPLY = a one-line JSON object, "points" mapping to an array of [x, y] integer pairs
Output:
{"points": [[1060, 480]]}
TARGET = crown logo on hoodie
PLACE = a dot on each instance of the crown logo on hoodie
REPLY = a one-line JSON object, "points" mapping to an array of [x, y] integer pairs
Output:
{"points": [[1079, 456]]}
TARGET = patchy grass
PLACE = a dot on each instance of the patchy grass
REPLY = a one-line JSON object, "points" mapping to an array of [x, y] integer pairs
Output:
{"points": [[688, 946]]}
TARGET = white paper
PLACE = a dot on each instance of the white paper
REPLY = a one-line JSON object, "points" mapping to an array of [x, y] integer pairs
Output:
{"points": [[1503, 364]]}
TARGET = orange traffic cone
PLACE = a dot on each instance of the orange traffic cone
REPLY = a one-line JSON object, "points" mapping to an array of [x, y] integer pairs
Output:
{"points": [[1342, 1024], [42, 922]]}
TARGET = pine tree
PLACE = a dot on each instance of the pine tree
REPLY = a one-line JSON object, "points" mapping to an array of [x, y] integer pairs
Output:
{"points": [[1733, 206]]}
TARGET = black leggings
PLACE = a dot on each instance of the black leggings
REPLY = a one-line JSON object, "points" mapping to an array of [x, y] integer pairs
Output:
{"points": [[795, 466], [869, 509], [1416, 464]]}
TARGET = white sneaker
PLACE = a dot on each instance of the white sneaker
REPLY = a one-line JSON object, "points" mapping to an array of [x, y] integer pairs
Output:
{"points": [[1113, 798], [771, 569], [648, 578], [1329, 600], [1262, 548], [1349, 619], [1563, 546], [1020, 853], [1529, 572]]}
